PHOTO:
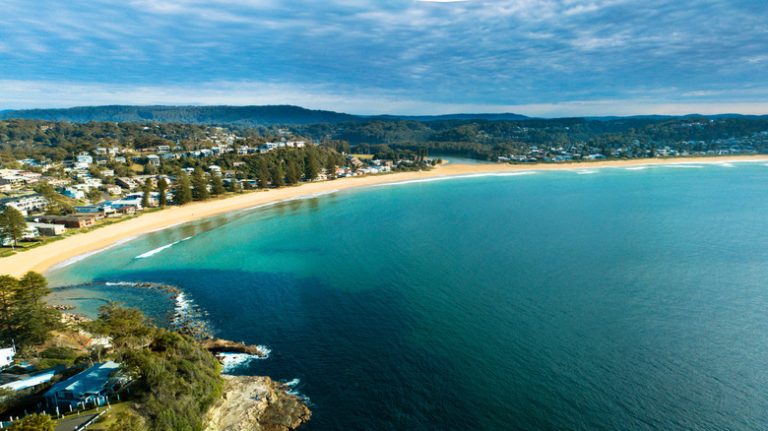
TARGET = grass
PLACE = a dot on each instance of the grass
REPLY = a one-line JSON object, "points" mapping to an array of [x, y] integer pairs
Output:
{"points": [[363, 156]]}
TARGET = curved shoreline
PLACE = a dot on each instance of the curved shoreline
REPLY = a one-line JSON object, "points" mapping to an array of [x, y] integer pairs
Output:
{"points": [[44, 257]]}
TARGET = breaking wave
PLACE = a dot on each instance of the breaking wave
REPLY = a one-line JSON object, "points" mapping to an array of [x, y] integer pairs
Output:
{"points": [[159, 249]]}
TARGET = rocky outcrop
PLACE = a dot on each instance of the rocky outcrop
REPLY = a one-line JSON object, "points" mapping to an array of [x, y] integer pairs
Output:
{"points": [[256, 404], [218, 345]]}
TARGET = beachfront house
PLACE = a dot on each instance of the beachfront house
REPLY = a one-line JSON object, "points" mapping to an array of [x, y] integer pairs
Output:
{"points": [[6, 356], [90, 387], [22, 383]]}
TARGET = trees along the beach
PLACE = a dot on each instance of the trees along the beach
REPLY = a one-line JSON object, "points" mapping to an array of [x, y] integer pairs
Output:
{"points": [[162, 189], [147, 196], [199, 185], [217, 185], [278, 174], [24, 319], [12, 224], [263, 176], [183, 193], [32, 321], [291, 171], [311, 165], [330, 167]]}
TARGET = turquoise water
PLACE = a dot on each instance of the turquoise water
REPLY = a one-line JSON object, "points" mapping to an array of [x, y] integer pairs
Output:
{"points": [[618, 299]]}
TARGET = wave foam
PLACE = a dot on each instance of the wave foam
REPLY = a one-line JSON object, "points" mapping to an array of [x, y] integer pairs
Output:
{"points": [[586, 172], [637, 168], [159, 249], [457, 177], [232, 361], [684, 166]]}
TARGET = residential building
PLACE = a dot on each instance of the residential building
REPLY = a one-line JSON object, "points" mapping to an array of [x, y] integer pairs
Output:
{"points": [[6, 356], [26, 204], [90, 387]]}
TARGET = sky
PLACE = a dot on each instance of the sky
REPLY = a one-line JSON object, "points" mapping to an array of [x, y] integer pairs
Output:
{"points": [[547, 58]]}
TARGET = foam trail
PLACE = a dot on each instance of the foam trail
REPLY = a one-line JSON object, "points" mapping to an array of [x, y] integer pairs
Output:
{"points": [[159, 249], [457, 177]]}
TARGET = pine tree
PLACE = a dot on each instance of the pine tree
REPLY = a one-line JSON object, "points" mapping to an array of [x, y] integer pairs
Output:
{"points": [[199, 185], [330, 167], [183, 193], [278, 174], [162, 189], [263, 175], [311, 166], [292, 172], [32, 321], [217, 185], [147, 196], [12, 224]]}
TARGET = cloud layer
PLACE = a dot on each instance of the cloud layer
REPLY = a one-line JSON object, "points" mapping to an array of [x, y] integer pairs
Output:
{"points": [[555, 57]]}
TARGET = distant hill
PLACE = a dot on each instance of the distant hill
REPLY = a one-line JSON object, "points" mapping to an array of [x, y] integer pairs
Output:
{"points": [[450, 117], [246, 115]]}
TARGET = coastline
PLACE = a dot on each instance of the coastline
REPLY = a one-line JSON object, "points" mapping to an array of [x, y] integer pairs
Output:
{"points": [[43, 258]]}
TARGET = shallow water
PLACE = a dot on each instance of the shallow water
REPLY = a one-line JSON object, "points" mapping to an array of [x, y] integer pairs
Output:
{"points": [[622, 299]]}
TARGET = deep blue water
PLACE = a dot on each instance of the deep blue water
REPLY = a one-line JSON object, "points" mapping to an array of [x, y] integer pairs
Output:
{"points": [[623, 299]]}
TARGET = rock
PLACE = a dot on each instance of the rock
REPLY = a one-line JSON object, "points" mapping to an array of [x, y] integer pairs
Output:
{"points": [[218, 345], [252, 403]]}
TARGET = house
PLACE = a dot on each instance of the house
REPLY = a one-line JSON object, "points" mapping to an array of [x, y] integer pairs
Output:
{"points": [[83, 160], [27, 382], [153, 160], [114, 190], [91, 386], [26, 204], [6, 356], [48, 229], [73, 193], [74, 221]]}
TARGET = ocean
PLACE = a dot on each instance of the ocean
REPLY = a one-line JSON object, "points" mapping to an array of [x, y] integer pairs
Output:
{"points": [[612, 298]]}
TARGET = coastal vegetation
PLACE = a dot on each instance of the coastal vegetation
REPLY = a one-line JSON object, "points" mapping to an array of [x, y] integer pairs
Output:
{"points": [[171, 379], [25, 321]]}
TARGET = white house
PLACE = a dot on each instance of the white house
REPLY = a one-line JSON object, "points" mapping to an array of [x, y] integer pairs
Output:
{"points": [[6, 356]]}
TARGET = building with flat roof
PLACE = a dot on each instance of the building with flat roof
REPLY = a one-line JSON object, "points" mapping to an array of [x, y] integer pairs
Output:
{"points": [[91, 386]]}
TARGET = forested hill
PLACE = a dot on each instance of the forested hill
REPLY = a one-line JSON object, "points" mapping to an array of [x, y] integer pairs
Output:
{"points": [[243, 115], [240, 115]]}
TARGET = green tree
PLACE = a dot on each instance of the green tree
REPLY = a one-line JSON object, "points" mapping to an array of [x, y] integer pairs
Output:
{"points": [[292, 171], [94, 195], [278, 174], [330, 167], [34, 422], [183, 192], [32, 321], [199, 185], [311, 166], [162, 189], [12, 224], [8, 288], [234, 186], [128, 421], [217, 185], [263, 176], [146, 198]]}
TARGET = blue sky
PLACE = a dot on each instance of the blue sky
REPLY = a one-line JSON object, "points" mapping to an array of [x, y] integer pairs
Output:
{"points": [[536, 57]]}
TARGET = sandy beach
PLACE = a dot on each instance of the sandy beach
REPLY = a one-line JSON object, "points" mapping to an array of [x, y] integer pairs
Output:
{"points": [[42, 258]]}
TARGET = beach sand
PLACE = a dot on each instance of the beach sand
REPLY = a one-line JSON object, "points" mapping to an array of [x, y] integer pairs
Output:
{"points": [[44, 257]]}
